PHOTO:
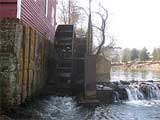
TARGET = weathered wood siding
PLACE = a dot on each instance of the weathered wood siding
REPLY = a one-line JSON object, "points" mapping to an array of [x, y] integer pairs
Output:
{"points": [[8, 8], [33, 13]]}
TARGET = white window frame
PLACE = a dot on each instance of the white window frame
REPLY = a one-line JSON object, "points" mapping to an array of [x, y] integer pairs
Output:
{"points": [[52, 16], [46, 7], [19, 3]]}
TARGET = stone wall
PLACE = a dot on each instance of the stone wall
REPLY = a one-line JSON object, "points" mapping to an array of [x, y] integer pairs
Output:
{"points": [[103, 68], [23, 62]]}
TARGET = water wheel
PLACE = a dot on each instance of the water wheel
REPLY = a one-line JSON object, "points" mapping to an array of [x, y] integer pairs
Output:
{"points": [[64, 56]]}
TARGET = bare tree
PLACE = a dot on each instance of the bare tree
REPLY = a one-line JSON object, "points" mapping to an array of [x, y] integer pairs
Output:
{"points": [[63, 12], [71, 13], [68, 12], [102, 28], [81, 32]]}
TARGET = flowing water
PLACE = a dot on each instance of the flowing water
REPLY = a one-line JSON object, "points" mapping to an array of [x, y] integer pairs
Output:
{"points": [[139, 106]]}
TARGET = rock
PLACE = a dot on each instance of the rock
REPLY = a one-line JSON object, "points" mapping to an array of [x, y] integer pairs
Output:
{"points": [[124, 82], [122, 93], [105, 96], [106, 91], [113, 85], [107, 88]]}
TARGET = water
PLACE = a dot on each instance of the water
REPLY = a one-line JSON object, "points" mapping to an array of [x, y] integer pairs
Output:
{"points": [[139, 106], [129, 111], [65, 108], [134, 94], [55, 108], [143, 91], [119, 74]]}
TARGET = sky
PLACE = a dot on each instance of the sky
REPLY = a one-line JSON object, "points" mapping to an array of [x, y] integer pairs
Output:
{"points": [[133, 23]]}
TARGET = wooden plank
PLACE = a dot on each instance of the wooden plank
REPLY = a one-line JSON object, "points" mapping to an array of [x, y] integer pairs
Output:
{"points": [[34, 83], [36, 49], [32, 45], [37, 82], [21, 71], [30, 80], [20, 78], [26, 43], [24, 85]]}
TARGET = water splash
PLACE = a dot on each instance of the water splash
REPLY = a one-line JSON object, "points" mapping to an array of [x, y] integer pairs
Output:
{"points": [[134, 93], [143, 91]]}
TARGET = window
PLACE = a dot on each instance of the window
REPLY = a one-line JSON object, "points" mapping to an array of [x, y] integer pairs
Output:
{"points": [[52, 17], [46, 7]]}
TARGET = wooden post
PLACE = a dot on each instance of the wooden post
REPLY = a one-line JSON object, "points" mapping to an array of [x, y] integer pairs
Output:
{"points": [[26, 61]]}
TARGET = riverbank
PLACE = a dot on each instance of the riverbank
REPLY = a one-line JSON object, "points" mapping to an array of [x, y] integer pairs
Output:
{"points": [[148, 65]]}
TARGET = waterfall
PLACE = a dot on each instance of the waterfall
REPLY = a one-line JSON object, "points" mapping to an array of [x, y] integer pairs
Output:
{"points": [[134, 94], [141, 91], [153, 92]]}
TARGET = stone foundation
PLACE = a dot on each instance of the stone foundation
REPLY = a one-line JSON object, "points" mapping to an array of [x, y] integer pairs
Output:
{"points": [[23, 62], [103, 68]]}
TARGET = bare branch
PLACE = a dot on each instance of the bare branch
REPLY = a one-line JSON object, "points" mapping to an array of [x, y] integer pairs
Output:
{"points": [[102, 28], [69, 12], [106, 11], [85, 11]]}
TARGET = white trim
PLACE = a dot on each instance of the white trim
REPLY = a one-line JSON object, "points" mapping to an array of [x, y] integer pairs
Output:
{"points": [[19, 3], [52, 16], [46, 7]]}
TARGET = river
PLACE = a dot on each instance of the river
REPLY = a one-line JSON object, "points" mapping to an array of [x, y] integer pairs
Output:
{"points": [[139, 75], [65, 108]]}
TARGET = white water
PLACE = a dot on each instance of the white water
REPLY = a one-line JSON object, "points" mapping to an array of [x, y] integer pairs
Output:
{"points": [[148, 98], [148, 91], [134, 94]]}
